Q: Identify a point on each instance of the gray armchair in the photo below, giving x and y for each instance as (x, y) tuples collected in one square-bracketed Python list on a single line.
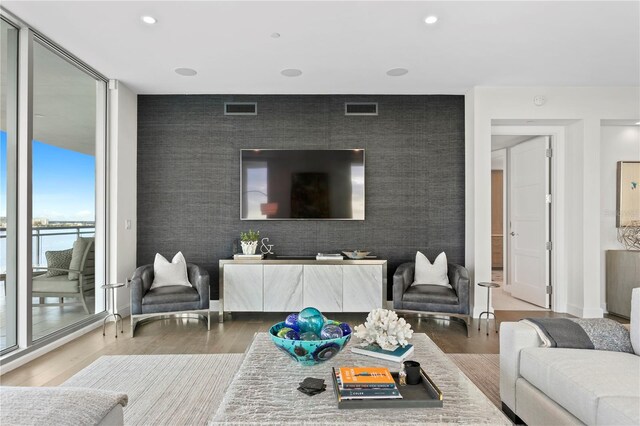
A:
[(163, 302), (433, 299)]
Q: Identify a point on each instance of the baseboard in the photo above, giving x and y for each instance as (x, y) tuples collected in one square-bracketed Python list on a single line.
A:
[(585, 313)]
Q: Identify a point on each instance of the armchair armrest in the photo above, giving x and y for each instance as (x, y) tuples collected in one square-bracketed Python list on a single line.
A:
[(199, 279), (514, 336), (46, 268), (139, 285), (402, 279), (459, 280)]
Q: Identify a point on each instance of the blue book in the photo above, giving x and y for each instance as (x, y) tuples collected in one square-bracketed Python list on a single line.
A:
[(399, 355)]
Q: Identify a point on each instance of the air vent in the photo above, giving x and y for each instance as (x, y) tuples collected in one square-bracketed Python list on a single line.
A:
[(240, 108), (361, 108)]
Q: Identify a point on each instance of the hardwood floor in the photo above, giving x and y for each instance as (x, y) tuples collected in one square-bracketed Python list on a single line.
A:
[(178, 336)]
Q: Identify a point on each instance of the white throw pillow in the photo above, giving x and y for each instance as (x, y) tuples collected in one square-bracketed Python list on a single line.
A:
[(427, 273), (174, 273), (635, 320)]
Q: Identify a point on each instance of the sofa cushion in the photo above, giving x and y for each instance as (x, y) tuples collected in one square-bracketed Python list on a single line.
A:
[(79, 247), (170, 294), (430, 294), (57, 284), (583, 381)]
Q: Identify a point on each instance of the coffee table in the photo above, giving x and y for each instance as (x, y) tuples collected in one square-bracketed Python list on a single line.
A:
[(264, 391)]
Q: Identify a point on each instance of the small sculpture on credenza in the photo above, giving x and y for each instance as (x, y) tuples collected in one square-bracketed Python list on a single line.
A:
[(265, 248), (629, 236)]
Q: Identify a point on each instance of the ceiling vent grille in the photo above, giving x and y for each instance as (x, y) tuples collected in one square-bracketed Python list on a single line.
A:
[(361, 108), (240, 108)]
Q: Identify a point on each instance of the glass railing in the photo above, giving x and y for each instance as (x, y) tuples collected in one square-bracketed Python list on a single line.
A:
[(46, 238)]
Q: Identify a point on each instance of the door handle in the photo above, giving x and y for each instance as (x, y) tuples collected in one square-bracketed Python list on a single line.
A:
[(513, 234)]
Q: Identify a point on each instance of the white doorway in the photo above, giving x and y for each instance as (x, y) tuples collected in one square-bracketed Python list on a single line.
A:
[(521, 179)]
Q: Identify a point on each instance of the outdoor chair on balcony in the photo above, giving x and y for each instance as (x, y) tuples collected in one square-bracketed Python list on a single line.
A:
[(69, 273), (169, 300)]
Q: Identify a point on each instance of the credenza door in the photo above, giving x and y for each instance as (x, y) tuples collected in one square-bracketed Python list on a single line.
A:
[(283, 288), (361, 288), (323, 287), (243, 289)]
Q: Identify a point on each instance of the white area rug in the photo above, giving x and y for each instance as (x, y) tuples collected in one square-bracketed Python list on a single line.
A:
[(163, 389), (483, 370)]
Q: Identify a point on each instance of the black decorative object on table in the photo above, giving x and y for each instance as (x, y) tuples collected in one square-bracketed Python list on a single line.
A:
[(312, 386), (412, 368)]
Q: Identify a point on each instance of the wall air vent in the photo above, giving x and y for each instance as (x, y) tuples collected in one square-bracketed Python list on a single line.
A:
[(361, 108), (240, 108)]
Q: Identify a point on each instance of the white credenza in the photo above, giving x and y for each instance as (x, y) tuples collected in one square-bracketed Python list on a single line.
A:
[(281, 285)]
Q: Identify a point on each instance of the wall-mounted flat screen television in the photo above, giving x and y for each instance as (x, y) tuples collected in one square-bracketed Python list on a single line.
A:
[(283, 184)]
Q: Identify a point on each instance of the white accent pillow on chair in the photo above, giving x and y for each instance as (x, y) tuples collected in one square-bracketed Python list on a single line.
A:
[(166, 274), (428, 273)]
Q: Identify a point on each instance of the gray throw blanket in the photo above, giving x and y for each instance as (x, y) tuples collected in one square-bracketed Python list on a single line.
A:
[(595, 333), (56, 406)]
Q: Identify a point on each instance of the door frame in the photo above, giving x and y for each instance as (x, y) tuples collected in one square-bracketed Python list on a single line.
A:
[(558, 275)]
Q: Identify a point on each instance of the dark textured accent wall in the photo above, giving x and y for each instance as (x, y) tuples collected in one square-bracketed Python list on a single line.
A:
[(189, 176)]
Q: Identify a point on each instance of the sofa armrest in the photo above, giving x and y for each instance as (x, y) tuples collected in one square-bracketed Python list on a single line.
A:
[(514, 336), (139, 285), (199, 279), (459, 280), (402, 279)]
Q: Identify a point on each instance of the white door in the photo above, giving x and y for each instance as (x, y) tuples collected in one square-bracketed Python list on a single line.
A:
[(529, 221)]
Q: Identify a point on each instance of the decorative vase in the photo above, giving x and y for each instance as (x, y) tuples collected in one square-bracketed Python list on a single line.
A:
[(249, 247)]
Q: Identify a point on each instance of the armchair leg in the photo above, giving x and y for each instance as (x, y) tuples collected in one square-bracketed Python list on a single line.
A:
[(84, 303), (208, 320), (133, 325)]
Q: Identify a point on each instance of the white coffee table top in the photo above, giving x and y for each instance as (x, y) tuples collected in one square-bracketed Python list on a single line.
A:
[(264, 390)]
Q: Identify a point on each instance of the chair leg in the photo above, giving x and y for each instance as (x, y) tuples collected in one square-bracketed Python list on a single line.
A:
[(84, 303), (208, 320), (133, 325)]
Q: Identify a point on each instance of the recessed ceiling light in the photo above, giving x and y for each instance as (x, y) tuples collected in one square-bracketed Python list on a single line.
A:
[(291, 72), (638, 123), (187, 72), (275, 35), (397, 72), (149, 20), (431, 19)]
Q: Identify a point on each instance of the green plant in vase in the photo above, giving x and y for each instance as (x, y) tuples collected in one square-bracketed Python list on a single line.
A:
[(249, 241)]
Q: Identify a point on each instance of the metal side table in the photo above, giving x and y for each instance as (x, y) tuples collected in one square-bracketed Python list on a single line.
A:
[(111, 296), (489, 286)]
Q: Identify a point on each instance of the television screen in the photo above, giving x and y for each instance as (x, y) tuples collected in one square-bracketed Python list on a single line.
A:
[(302, 184)]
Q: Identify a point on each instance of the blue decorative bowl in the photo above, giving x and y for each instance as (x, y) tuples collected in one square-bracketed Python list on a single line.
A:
[(308, 352)]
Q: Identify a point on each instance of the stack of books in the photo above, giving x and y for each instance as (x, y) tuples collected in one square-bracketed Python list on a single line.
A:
[(329, 256), (248, 256), (366, 383), (399, 355)]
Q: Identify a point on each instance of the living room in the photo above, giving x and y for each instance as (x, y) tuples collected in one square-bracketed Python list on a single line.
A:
[(138, 136)]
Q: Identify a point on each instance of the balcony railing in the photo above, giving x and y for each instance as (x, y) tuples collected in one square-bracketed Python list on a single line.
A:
[(48, 238)]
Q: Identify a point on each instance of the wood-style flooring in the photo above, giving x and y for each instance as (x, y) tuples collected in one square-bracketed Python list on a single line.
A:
[(182, 336)]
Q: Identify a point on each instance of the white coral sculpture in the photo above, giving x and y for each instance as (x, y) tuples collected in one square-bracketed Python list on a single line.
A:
[(384, 328)]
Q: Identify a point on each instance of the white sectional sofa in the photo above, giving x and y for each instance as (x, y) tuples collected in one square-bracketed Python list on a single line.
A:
[(555, 386)]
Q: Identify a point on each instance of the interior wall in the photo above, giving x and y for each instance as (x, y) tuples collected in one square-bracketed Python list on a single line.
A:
[(585, 108), (122, 188), (618, 143), (188, 194)]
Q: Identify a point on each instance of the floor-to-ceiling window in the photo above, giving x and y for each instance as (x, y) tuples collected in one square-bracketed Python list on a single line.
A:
[(65, 122), (8, 153), (53, 220)]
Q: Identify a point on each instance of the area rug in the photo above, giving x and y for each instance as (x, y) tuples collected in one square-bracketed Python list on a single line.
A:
[(483, 370), (163, 389)]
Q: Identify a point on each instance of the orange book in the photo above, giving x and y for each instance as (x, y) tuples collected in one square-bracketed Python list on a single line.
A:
[(366, 377)]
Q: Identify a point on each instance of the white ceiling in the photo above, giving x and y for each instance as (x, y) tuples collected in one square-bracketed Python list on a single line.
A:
[(347, 47)]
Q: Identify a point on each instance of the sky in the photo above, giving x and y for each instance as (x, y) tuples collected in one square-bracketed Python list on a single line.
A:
[(63, 182)]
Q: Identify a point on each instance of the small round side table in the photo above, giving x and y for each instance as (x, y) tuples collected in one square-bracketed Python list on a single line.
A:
[(489, 286), (111, 296)]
